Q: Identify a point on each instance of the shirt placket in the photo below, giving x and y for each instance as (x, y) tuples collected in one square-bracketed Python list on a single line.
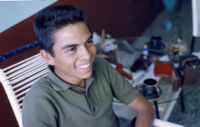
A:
[(92, 104)]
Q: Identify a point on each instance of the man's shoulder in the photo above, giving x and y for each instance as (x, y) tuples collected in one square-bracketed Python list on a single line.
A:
[(99, 63), (99, 60), (40, 87)]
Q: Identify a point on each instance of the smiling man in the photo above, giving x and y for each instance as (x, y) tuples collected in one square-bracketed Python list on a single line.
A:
[(79, 89)]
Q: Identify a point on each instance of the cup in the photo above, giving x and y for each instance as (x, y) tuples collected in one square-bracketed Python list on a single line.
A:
[(150, 87)]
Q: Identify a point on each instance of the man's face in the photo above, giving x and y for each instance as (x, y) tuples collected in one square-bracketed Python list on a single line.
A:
[(74, 53)]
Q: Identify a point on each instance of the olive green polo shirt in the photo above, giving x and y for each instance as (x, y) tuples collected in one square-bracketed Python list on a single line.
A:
[(51, 102)]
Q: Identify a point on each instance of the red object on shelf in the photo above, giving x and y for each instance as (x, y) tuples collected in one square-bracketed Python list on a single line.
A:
[(119, 68), (163, 69)]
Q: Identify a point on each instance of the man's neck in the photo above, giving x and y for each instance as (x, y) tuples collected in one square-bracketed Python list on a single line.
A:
[(82, 84), (75, 82)]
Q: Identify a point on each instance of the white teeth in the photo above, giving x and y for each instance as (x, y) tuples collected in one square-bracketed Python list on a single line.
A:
[(84, 66)]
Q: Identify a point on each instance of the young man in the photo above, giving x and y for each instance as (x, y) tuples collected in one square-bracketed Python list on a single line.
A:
[(79, 89)]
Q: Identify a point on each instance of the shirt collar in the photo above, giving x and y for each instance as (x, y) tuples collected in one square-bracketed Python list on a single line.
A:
[(58, 84)]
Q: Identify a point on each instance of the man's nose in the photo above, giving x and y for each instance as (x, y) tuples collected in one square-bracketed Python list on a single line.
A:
[(85, 54)]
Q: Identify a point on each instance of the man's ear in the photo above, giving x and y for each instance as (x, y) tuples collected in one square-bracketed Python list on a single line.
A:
[(47, 57)]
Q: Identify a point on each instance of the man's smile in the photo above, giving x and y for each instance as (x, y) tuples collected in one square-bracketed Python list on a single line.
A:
[(84, 66)]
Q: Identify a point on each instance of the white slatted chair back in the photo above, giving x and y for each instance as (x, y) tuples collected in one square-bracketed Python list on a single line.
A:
[(18, 78)]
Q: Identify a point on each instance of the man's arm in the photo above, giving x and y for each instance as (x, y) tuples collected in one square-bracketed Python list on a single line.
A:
[(145, 111)]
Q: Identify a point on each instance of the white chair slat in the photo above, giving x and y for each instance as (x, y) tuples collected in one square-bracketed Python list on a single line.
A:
[(23, 87), (31, 79), (22, 93), (27, 71), (20, 99), (31, 83), (25, 60), (20, 105), (24, 65), (26, 75)]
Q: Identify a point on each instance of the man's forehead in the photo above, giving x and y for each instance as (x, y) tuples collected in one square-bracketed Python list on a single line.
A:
[(72, 33), (72, 44)]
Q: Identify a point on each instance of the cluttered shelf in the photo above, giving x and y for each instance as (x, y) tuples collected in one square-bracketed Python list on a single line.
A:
[(142, 58)]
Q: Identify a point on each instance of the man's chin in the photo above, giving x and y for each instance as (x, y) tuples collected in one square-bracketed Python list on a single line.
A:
[(86, 75)]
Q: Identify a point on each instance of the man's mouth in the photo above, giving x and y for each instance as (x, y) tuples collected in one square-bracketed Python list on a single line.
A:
[(84, 66)]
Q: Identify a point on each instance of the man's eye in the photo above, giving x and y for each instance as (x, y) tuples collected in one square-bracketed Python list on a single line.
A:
[(70, 50), (89, 42)]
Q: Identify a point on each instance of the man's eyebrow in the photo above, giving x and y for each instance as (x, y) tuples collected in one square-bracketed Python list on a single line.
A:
[(69, 46), (74, 45)]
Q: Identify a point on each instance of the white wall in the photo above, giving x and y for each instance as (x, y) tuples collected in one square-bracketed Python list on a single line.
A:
[(196, 17), (13, 12)]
